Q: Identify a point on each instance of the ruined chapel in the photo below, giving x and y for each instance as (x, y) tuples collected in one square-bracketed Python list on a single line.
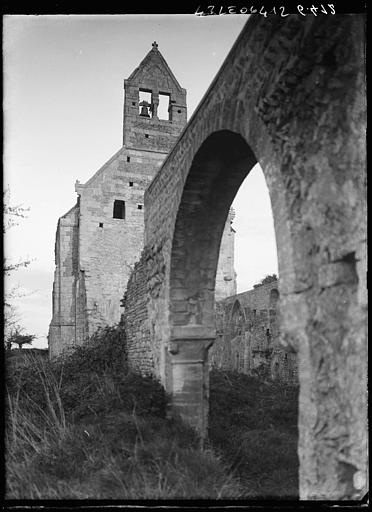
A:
[(291, 96), (99, 240), (101, 237)]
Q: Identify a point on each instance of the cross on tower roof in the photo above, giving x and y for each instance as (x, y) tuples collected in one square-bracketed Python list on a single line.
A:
[(155, 45)]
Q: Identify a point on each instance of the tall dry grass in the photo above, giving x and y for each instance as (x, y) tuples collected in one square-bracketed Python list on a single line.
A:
[(118, 444), (86, 427)]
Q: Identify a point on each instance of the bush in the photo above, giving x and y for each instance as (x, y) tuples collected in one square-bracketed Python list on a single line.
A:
[(91, 379)]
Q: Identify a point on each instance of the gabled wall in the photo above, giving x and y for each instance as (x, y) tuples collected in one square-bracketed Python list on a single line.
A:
[(109, 247)]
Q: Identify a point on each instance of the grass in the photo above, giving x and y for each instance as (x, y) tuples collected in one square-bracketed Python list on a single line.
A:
[(86, 427), (253, 425)]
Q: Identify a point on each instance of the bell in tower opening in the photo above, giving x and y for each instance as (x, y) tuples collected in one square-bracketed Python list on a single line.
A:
[(145, 107)]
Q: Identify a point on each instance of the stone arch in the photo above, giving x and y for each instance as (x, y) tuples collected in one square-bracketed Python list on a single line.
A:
[(237, 318), (237, 336), (218, 168), (291, 96)]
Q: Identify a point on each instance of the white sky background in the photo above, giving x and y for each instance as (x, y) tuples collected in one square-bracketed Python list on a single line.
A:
[(63, 107)]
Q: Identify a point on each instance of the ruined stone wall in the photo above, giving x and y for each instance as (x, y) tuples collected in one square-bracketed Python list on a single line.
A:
[(248, 337), (62, 327), (293, 91), (136, 322)]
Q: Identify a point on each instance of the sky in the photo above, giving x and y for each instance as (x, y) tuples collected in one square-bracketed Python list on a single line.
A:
[(63, 105)]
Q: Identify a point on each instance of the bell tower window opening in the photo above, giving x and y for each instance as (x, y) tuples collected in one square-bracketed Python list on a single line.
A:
[(163, 108), (145, 103), (119, 209)]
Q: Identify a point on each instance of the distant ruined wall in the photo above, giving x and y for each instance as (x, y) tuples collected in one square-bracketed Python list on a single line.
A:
[(226, 275), (248, 337)]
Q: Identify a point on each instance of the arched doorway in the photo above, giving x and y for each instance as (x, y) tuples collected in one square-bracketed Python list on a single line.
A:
[(236, 335)]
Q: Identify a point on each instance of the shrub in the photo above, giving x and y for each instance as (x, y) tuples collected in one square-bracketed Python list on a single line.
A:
[(91, 379)]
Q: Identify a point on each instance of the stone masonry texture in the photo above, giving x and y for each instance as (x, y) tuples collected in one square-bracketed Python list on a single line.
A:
[(290, 95), (248, 336)]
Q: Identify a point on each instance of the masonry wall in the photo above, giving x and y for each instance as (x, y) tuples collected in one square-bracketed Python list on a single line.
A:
[(62, 327), (154, 76), (108, 246), (293, 89), (135, 320), (81, 318), (248, 336)]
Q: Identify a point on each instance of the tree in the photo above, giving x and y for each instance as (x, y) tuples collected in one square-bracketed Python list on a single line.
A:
[(12, 214), (270, 278), (17, 338)]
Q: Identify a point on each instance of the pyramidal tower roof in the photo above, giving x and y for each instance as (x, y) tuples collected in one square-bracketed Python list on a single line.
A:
[(153, 65)]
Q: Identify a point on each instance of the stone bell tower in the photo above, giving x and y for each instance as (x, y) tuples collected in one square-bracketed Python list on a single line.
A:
[(154, 107)]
